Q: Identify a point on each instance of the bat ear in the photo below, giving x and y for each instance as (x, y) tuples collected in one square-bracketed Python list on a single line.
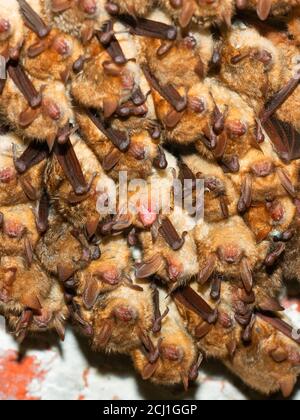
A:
[(91, 292), (105, 333), (263, 9), (150, 267)]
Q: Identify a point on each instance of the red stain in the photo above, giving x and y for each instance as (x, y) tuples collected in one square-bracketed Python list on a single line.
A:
[(287, 303), (81, 398), (16, 376)]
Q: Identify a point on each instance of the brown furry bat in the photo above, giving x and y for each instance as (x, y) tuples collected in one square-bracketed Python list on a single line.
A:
[(30, 300), (235, 334), (117, 319), (55, 57), (28, 103), (21, 170), (74, 177), (168, 357)]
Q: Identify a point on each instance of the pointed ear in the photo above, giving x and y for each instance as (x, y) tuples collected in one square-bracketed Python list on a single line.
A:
[(60, 328), (150, 267), (284, 137), (31, 301), (91, 292), (149, 370), (104, 334), (263, 9), (287, 385)]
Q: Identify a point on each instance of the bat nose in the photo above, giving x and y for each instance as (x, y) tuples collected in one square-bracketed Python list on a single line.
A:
[(230, 254), (89, 6)]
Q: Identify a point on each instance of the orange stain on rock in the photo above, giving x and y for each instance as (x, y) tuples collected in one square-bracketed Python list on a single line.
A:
[(16, 376)]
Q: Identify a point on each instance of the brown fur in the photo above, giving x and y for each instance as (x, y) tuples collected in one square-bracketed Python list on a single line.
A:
[(13, 104), (176, 356), (122, 334), (51, 64), (141, 145), (11, 190), (218, 12), (30, 289), (232, 237)]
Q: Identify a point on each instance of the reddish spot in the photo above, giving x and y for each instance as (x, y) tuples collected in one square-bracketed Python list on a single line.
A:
[(13, 229), (61, 46), (16, 376), (175, 269), (173, 353), (125, 313), (276, 210), (229, 253), (147, 217), (110, 276), (127, 80), (89, 6), (81, 397), (7, 175), (287, 303)]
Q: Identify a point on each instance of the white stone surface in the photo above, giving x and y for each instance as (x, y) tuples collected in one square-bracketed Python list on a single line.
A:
[(50, 370)]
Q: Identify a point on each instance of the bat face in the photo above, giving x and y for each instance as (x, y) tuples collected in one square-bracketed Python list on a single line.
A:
[(220, 195), (227, 253), (106, 273), (182, 56), (53, 110), (52, 57), (261, 178), (31, 301), (245, 49), (271, 219), (165, 360), (172, 267), (192, 119), (273, 352), (119, 318), (235, 319), (59, 250), (18, 228), (118, 82)]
